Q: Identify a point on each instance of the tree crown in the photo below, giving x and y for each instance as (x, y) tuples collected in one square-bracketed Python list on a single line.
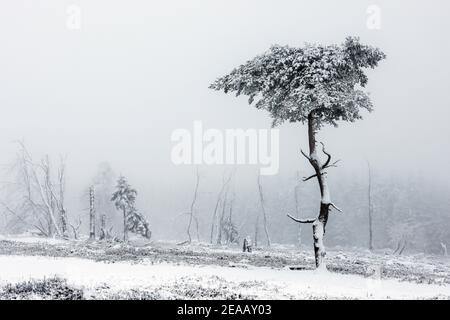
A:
[(124, 197), (292, 83)]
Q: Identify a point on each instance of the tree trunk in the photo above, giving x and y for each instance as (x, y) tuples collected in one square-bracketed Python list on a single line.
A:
[(214, 224), (325, 202), (91, 214), (256, 229), (263, 209), (370, 208), (214, 221), (405, 243), (318, 235), (191, 212), (103, 231), (125, 228), (444, 249), (64, 223), (221, 220), (60, 201)]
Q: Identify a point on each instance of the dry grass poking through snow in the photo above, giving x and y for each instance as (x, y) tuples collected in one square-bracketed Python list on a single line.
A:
[(200, 271)]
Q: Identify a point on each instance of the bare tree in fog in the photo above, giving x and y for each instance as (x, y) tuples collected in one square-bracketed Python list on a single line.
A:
[(37, 197), (191, 213), (76, 228), (103, 183), (263, 210), (214, 222), (256, 236), (316, 85), (60, 201), (230, 229), (222, 216), (227, 229)]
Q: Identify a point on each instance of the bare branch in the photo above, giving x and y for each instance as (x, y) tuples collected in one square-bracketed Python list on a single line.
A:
[(332, 165), (328, 155), (333, 205), (314, 175), (310, 177), (13, 212), (301, 220), (305, 155), (76, 228), (44, 187)]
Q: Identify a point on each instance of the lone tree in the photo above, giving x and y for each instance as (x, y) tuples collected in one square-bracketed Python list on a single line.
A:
[(316, 85), (124, 199)]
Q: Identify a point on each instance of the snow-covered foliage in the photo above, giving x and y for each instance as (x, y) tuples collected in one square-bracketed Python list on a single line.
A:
[(291, 82), (43, 289), (124, 199), (137, 223), (125, 196)]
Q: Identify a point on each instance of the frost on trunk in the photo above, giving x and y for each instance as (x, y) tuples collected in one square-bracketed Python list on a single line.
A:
[(60, 201), (319, 248), (318, 224), (91, 214)]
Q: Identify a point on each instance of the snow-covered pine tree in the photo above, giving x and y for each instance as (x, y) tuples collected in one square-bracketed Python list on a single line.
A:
[(314, 84), (124, 199)]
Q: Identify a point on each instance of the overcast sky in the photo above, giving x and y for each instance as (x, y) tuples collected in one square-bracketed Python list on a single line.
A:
[(115, 89)]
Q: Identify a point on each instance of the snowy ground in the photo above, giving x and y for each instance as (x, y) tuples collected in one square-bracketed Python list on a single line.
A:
[(31, 269)]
